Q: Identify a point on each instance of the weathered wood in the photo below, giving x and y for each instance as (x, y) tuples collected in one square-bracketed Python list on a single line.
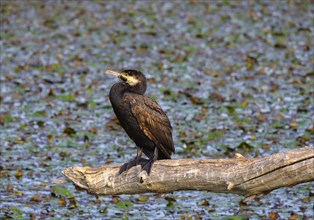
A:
[(244, 176)]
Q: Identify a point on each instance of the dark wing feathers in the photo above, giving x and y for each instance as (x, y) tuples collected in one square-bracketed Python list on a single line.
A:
[(153, 122)]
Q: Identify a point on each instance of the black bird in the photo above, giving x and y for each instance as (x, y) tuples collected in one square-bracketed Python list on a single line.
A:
[(142, 119)]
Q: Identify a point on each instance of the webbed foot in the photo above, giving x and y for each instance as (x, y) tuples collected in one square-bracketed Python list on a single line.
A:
[(148, 166), (133, 163)]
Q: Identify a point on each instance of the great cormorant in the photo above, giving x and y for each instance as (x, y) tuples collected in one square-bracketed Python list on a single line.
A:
[(142, 119)]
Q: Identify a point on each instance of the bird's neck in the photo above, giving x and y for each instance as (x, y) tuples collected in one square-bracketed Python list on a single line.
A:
[(120, 88), (139, 89)]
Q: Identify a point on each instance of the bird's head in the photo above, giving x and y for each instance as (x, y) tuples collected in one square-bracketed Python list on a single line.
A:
[(134, 79)]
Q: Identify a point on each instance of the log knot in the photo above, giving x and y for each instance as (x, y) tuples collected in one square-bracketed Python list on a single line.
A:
[(142, 177), (230, 185), (110, 182)]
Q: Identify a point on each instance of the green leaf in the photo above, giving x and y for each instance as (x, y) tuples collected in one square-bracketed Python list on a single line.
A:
[(170, 200), (245, 147), (230, 109), (16, 210), (124, 204), (41, 113), (69, 131), (91, 104), (6, 118), (62, 192), (215, 135), (68, 98), (143, 198)]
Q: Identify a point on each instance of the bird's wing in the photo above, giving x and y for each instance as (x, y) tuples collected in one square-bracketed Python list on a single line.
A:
[(153, 122)]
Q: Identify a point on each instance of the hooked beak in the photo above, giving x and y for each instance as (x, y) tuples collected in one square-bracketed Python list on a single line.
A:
[(114, 73)]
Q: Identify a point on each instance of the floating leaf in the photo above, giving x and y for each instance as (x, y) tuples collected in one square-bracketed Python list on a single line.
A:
[(124, 204), (64, 154), (41, 113), (62, 202), (273, 215), (294, 125), (61, 192), (10, 188), (216, 97), (69, 98), (73, 203), (40, 123), (69, 131), (251, 62), (16, 210), (197, 101), (303, 139), (170, 200), (6, 118), (116, 199), (215, 135), (230, 109), (278, 124), (103, 210), (143, 198), (36, 198), (245, 147), (19, 174), (204, 203), (23, 126)]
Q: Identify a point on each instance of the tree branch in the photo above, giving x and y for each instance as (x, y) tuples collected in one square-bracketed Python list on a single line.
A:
[(243, 176)]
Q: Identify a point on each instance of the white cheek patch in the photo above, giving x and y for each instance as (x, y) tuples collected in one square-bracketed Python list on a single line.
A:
[(132, 81)]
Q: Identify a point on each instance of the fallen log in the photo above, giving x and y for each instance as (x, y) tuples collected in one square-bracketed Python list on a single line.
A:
[(243, 176)]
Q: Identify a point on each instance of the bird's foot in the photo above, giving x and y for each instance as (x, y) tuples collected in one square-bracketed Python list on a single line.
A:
[(148, 166), (133, 163), (127, 166)]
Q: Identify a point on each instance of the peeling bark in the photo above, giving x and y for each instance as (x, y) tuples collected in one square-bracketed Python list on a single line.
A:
[(243, 176)]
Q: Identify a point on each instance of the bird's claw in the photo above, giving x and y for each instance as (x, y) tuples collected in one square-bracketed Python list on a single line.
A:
[(143, 162), (127, 166)]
